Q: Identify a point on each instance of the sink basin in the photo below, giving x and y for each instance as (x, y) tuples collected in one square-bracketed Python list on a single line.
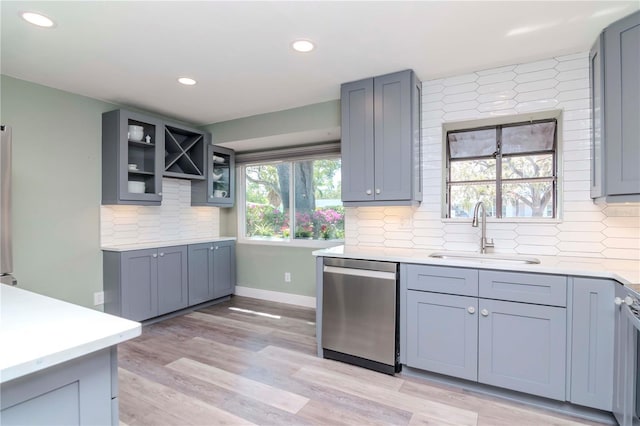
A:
[(485, 258)]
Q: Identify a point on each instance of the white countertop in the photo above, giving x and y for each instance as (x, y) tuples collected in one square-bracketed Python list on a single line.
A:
[(37, 332), (157, 244), (626, 272)]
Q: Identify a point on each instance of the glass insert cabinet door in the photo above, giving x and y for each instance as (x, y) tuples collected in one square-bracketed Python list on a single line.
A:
[(221, 175), (142, 160)]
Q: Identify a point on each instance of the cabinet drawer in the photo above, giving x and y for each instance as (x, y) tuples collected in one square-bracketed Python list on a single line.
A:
[(442, 279), (537, 289)]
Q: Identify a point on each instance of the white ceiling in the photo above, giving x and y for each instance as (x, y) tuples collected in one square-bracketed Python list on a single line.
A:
[(132, 52)]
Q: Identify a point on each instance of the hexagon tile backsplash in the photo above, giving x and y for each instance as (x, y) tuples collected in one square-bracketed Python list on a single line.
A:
[(174, 220), (584, 229)]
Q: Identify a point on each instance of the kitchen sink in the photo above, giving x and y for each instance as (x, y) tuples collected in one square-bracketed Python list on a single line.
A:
[(485, 258)]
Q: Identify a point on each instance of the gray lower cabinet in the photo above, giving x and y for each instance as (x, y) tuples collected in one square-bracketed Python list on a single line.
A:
[(615, 107), (505, 343), (82, 391), (211, 271), (381, 140), (142, 284), (442, 333), (592, 342), (626, 355), (522, 347)]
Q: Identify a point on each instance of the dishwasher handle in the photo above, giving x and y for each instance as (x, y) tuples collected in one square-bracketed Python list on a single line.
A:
[(359, 272)]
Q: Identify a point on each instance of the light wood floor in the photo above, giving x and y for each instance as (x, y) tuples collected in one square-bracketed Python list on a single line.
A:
[(248, 361)]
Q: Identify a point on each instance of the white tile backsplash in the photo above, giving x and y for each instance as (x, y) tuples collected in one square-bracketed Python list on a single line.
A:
[(584, 229), (175, 219)]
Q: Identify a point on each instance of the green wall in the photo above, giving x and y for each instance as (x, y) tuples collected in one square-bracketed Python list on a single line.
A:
[(325, 115), (56, 189), (263, 267)]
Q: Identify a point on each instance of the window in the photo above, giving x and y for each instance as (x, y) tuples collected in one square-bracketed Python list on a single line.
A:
[(293, 200), (511, 168)]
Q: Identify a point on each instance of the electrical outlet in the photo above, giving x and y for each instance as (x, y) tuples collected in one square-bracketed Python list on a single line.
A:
[(287, 277), (98, 298)]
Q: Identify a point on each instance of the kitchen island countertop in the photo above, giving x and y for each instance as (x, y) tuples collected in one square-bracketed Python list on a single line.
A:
[(626, 272), (37, 332)]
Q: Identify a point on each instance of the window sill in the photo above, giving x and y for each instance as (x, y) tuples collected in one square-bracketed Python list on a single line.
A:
[(316, 244)]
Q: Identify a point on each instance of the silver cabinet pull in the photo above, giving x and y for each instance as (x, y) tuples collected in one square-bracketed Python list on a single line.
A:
[(484, 313), (155, 254), (211, 248), (161, 254), (627, 301), (216, 247), (368, 192), (378, 190), (160, 193), (471, 310)]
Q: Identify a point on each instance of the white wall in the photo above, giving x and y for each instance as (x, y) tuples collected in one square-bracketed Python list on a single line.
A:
[(584, 229), (175, 219)]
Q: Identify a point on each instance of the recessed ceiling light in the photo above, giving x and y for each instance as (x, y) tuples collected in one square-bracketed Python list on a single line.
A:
[(37, 19), (186, 81), (303, 46)]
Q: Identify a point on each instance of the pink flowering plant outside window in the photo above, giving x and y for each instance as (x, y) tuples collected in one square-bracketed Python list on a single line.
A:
[(312, 186)]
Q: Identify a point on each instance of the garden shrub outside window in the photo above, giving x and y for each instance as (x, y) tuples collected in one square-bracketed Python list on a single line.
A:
[(293, 200), (511, 168)]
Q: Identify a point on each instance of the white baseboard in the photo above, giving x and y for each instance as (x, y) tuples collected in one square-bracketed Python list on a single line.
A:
[(276, 296)]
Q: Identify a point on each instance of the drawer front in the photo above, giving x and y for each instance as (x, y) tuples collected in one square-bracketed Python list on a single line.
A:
[(537, 289), (442, 279)]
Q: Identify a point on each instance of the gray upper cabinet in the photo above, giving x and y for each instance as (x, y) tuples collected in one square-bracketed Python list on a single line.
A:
[(185, 150), (381, 140), (218, 188), (131, 166), (615, 94), (212, 271), (592, 342)]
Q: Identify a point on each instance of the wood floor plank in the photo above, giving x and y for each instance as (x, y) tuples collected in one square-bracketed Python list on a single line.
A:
[(359, 373), (381, 395), (276, 353), (329, 414), (168, 406), (275, 397)]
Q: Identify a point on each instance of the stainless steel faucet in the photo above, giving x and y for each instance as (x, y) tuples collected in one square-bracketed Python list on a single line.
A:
[(483, 238)]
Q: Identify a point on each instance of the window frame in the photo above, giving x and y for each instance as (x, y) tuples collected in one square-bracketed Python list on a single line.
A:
[(498, 156), (242, 206)]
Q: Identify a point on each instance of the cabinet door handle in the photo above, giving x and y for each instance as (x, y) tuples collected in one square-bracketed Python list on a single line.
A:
[(155, 254), (216, 247), (484, 313), (368, 192), (378, 190), (211, 248), (627, 301), (161, 254), (160, 194), (471, 310)]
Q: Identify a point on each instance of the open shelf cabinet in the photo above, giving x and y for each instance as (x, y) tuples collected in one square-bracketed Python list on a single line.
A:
[(184, 152)]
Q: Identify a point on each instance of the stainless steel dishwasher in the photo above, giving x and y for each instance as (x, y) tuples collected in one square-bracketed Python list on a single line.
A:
[(360, 313)]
